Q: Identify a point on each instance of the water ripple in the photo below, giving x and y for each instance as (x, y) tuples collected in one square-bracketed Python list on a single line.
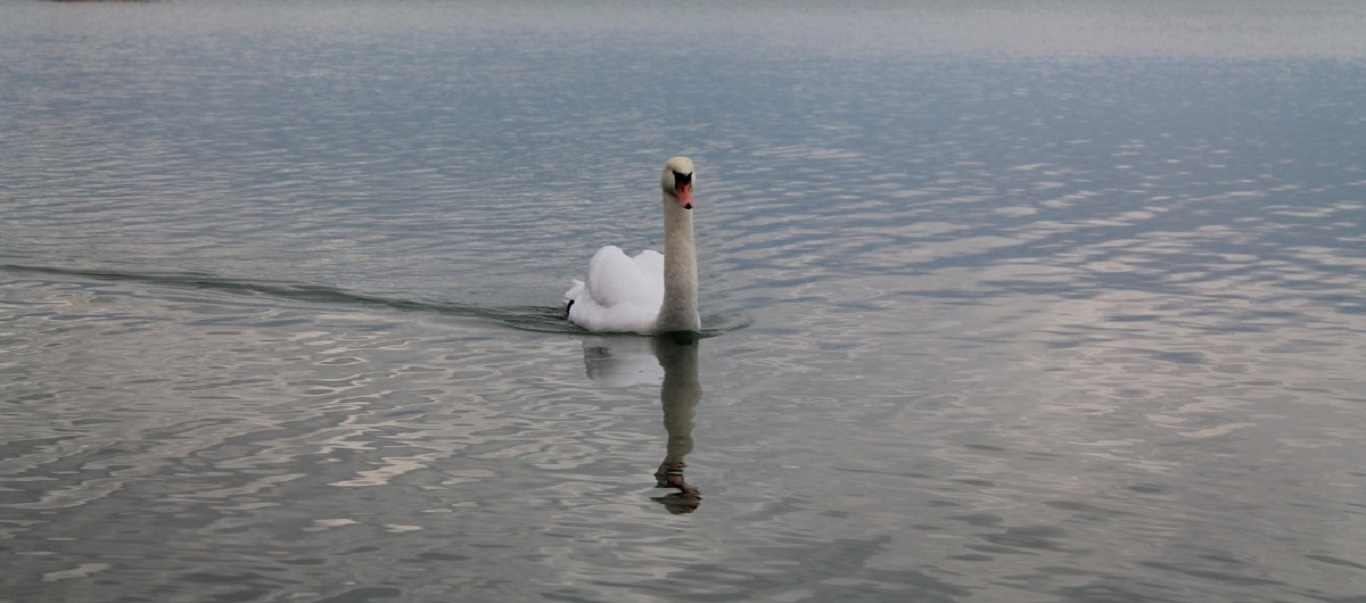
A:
[(998, 316)]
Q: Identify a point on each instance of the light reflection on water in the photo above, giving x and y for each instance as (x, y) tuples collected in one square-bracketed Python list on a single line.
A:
[(990, 317)]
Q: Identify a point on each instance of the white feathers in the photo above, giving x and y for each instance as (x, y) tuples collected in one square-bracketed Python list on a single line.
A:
[(621, 294), (649, 293)]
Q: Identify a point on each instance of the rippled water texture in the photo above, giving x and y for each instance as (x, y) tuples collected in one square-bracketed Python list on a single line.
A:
[(1031, 302)]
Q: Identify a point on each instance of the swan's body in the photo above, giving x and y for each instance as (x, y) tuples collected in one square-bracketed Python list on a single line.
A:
[(649, 293)]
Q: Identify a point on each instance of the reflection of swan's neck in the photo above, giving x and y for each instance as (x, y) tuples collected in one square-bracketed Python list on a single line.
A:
[(678, 357), (679, 394), (679, 310)]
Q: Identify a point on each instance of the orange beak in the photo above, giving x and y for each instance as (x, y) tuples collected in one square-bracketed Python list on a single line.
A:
[(684, 192)]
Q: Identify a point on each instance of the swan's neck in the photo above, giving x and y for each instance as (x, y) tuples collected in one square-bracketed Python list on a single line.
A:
[(679, 310)]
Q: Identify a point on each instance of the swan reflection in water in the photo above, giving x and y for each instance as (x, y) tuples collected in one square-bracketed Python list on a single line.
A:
[(626, 361)]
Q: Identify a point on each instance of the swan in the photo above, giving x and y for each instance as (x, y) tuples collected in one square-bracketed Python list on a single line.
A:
[(650, 293)]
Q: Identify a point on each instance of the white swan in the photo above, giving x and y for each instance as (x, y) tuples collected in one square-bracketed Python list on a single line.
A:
[(649, 293)]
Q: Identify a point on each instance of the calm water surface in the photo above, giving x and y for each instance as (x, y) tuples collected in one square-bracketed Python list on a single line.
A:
[(1029, 302)]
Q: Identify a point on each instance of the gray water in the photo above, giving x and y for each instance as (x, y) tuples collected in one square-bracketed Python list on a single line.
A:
[(1038, 301)]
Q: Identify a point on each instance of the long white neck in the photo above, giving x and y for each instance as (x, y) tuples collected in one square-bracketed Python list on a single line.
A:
[(679, 310)]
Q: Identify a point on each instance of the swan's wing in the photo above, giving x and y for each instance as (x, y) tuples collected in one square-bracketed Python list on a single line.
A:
[(651, 264), (620, 294), (617, 280)]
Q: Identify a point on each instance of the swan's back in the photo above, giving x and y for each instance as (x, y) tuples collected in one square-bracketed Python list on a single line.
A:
[(620, 293)]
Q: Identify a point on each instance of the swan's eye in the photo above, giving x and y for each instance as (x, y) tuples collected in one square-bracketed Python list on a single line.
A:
[(682, 179)]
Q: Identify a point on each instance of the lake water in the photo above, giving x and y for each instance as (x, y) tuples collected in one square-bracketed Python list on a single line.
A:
[(1038, 301)]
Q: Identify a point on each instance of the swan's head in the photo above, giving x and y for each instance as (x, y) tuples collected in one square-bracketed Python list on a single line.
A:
[(678, 180)]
